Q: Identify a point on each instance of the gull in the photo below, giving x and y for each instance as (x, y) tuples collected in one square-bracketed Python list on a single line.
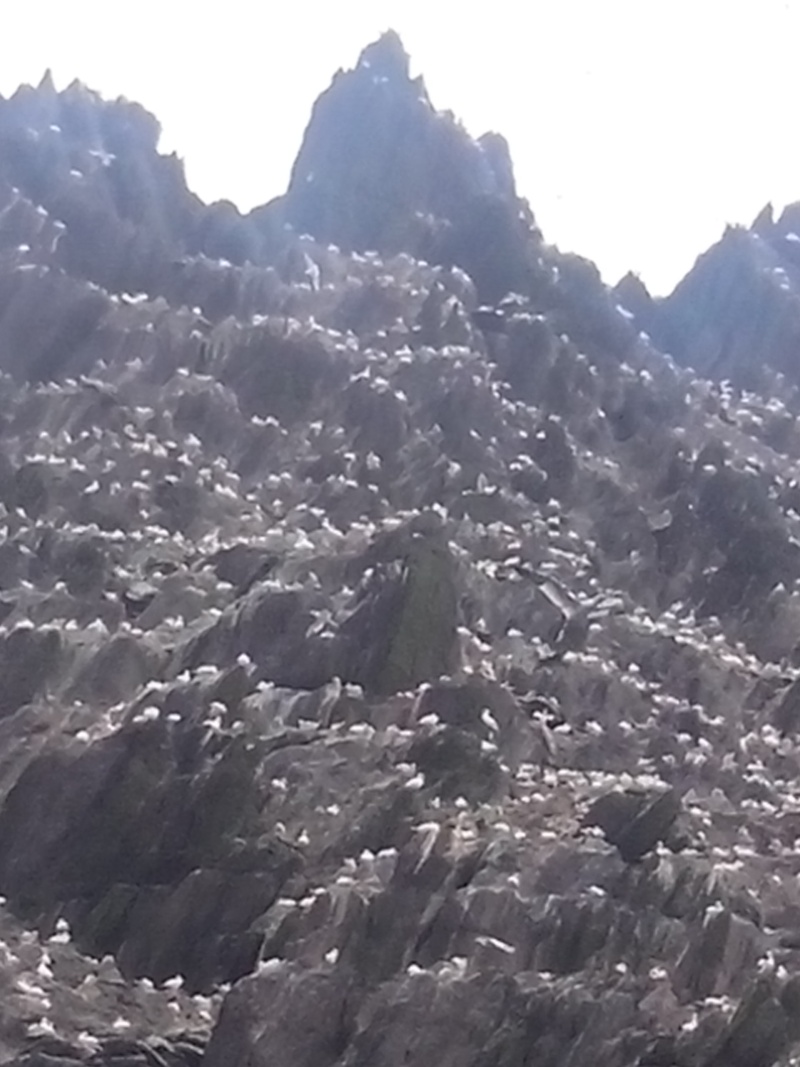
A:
[(86, 1041), (29, 989), (62, 934), (43, 1028), (415, 783), (431, 719), (490, 721)]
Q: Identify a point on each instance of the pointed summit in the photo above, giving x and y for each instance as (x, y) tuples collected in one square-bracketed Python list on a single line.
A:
[(764, 221), (380, 169), (47, 84), (386, 57)]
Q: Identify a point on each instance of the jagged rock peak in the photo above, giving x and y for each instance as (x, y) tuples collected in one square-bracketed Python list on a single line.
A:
[(735, 315), (380, 169), (386, 57), (370, 658), (47, 85), (764, 220), (111, 208)]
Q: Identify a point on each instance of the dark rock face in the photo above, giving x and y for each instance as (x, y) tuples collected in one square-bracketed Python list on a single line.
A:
[(416, 613), (385, 678), (29, 658), (635, 822), (86, 178), (735, 311), (380, 169)]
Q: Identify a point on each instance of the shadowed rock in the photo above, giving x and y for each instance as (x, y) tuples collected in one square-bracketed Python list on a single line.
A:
[(422, 184), (635, 822), (405, 669)]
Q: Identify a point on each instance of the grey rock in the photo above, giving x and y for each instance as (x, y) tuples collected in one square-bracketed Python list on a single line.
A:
[(398, 649)]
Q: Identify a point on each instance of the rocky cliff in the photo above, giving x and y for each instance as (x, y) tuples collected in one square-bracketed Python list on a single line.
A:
[(379, 168), (737, 309), (400, 649)]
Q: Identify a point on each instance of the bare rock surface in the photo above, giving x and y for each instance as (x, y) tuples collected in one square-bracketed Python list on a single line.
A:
[(388, 677)]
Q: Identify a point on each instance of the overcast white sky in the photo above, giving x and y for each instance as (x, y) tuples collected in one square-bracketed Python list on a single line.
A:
[(638, 128)]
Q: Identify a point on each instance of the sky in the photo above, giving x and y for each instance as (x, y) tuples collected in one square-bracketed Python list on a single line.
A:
[(638, 128)]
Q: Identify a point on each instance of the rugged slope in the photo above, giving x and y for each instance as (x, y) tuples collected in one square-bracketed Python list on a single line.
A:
[(417, 679), (379, 168), (737, 309)]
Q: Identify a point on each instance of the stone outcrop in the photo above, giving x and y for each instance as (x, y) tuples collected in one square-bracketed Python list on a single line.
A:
[(380, 169), (388, 677), (734, 316)]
